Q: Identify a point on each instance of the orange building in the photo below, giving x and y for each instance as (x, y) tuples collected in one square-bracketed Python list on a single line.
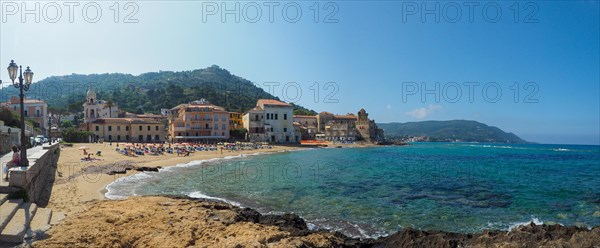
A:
[(35, 110), (198, 121)]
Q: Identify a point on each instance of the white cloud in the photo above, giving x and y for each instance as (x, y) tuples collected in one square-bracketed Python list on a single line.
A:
[(422, 113)]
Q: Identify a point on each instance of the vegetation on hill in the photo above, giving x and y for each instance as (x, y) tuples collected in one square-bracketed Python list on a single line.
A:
[(149, 92), (455, 130)]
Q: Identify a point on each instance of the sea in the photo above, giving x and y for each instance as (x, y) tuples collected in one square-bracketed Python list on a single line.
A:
[(376, 191)]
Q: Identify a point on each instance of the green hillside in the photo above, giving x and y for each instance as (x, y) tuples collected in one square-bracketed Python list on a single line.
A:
[(149, 92), (455, 130)]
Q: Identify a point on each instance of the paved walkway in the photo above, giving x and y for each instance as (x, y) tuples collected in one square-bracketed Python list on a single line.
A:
[(7, 157)]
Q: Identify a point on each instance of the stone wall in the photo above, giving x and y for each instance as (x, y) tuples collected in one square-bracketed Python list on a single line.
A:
[(37, 179)]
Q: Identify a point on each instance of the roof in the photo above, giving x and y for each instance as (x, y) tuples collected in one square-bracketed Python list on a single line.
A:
[(348, 116), (325, 113), (305, 116), (16, 100), (272, 102), (125, 121), (150, 116)]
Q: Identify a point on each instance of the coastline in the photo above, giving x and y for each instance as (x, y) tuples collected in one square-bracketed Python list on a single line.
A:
[(80, 182), (78, 206), (185, 222)]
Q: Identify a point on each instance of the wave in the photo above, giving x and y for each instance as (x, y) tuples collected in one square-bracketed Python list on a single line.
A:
[(535, 220), (200, 195)]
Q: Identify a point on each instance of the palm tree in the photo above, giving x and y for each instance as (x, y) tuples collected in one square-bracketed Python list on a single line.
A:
[(109, 105)]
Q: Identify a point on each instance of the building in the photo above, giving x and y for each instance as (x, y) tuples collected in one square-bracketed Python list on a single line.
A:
[(254, 122), (277, 122), (367, 129), (308, 125), (94, 109), (198, 121), (35, 110), (235, 120), (128, 130), (349, 127)]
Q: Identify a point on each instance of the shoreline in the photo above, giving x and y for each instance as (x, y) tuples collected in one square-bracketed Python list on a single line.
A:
[(84, 192), (185, 221), (78, 182)]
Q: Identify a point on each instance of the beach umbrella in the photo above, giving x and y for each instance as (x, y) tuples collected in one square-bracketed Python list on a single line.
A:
[(83, 148)]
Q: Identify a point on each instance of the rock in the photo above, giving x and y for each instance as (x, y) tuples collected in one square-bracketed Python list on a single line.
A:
[(291, 223)]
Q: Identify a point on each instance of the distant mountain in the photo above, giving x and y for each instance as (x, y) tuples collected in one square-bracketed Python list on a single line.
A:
[(455, 130), (149, 92)]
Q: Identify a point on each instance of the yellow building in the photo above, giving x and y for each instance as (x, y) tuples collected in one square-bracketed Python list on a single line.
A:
[(198, 121), (128, 130), (235, 120)]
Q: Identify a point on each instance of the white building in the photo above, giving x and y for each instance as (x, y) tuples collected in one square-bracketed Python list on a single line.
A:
[(278, 118), (94, 109)]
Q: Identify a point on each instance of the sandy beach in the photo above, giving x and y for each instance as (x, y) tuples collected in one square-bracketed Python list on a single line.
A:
[(80, 181)]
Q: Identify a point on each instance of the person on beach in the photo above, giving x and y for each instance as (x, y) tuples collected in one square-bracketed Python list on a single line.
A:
[(16, 160)]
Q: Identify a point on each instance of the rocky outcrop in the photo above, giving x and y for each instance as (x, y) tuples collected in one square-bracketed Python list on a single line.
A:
[(181, 222)]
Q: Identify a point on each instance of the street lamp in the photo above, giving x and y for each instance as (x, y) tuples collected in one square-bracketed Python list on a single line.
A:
[(22, 85)]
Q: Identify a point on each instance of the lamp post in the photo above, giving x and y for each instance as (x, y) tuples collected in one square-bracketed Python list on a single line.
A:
[(22, 85)]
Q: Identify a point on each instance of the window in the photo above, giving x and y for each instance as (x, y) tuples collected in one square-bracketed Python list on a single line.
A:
[(223, 134), (224, 117), (256, 117), (126, 137), (215, 117), (285, 129), (207, 126), (287, 138), (25, 113), (37, 113), (216, 126), (156, 128), (118, 137), (148, 137), (141, 137), (110, 138), (268, 116), (127, 129), (148, 128), (140, 127), (223, 127), (158, 138), (178, 134), (109, 128), (118, 128), (276, 116), (285, 116), (97, 128)]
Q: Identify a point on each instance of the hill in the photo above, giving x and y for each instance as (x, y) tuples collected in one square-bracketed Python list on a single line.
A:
[(149, 92), (454, 130)]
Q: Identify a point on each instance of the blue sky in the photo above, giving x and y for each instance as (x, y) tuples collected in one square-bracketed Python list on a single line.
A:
[(374, 53)]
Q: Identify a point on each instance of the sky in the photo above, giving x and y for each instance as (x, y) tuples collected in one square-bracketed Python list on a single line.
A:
[(531, 68)]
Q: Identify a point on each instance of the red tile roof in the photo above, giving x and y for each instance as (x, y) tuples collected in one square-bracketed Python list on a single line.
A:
[(272, 102)]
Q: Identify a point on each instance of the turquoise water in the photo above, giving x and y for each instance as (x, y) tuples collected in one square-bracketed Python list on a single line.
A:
[(457, 187)]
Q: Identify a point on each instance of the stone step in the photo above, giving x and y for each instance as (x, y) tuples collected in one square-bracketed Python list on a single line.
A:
[(7, 210), (15, 231), (3, 198), (40, 222)]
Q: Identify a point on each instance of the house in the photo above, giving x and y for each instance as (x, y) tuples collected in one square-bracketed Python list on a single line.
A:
[(35, 110), (198, 121), (128, 130), (277, 122)]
